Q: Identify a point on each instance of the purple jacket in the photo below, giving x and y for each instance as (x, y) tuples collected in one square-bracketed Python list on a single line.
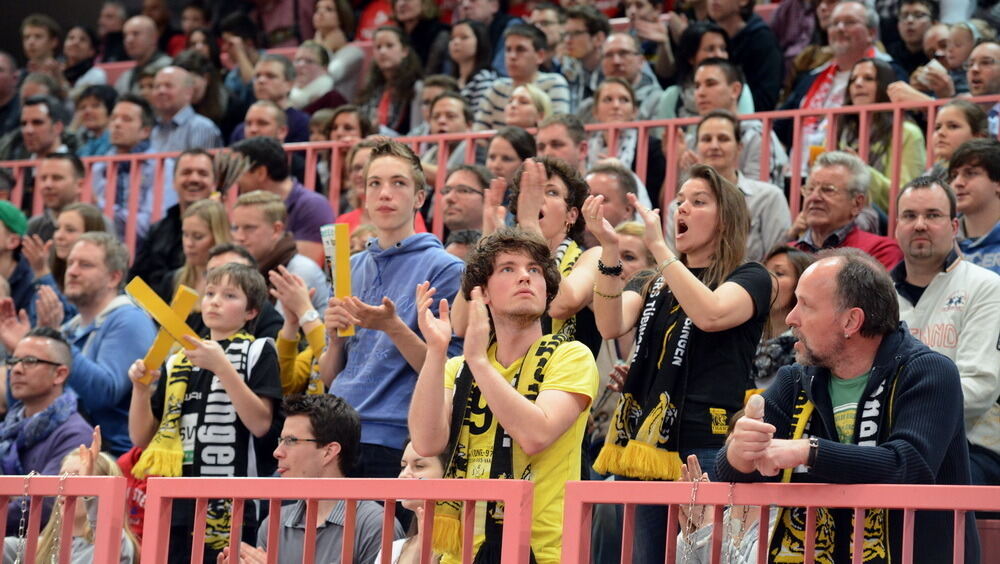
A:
[(46, 458)]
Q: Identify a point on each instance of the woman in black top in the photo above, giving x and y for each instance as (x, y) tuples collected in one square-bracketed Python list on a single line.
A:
[(698, 319)]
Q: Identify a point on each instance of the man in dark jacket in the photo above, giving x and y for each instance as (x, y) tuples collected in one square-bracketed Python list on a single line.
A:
[(865, 403), (162, 251)]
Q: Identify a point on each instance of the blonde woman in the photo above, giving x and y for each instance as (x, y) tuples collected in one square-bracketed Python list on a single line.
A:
[(527, 107), (80, 462), (203, 225)]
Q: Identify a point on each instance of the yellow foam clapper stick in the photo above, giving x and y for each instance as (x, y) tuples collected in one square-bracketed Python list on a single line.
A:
[(342, 262), (158, 309), (181, 305)]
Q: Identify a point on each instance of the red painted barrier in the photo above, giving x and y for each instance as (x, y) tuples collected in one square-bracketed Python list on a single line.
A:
[(517, 496), (110, 494), (581, 497)]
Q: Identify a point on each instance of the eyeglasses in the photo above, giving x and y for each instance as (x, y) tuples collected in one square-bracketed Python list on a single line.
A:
[(576, 32), (846, 23), (913, 16), (929, 217), (461, 189), (292, 441), (619, 54), (982, 63), (825, 190), (304, 61), (29, 361)]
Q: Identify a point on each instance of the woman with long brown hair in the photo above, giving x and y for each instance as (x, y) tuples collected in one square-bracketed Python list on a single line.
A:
[(698, 318), (390, 97)]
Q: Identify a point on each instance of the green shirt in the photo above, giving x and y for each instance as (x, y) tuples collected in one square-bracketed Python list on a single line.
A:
[(844, 395)]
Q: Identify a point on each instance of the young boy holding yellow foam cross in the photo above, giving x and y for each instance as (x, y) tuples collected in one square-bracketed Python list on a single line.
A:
[(214, 412)]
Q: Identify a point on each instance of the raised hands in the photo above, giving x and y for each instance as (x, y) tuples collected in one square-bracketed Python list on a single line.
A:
[(651, 220), (48, 308), (531, 195), (599, 227), (248, 555), (436, 330), (751, 437), (37, 252), (14, 325), (291, 290), (494, 212), (477, 336), (692, 517), (88, 456)]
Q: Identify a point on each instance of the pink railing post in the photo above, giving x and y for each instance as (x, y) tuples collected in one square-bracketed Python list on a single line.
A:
[(765, 151), (896, 161), (437, 226), (864, 141), (311, 159), (642, 156), (159, 181)]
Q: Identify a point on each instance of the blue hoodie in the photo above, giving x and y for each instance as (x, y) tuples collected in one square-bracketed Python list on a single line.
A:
[(376, 379), (984, 251)]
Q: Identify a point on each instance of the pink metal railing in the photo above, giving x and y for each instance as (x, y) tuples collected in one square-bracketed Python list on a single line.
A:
[(517, 496), (581, 496), (110, 493), (336, 151)]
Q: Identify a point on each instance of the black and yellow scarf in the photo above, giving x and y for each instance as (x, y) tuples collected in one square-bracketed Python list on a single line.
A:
[(642, 440), (506, 463), (788, 539), (565, 257)]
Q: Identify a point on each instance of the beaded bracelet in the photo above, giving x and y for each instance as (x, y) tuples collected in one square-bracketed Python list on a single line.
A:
[(607, 296), (610, 270)]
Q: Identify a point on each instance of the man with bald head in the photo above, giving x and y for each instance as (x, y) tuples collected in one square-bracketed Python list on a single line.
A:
[(178, 127), (141, 46)]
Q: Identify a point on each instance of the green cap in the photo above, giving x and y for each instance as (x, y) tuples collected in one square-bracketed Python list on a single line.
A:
[(13, 218)]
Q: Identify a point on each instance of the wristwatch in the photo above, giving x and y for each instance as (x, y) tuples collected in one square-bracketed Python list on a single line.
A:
[(309, 316), (813, 451)]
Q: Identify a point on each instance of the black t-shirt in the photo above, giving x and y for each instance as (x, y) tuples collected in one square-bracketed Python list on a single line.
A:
[(216, 442), (720, 364)]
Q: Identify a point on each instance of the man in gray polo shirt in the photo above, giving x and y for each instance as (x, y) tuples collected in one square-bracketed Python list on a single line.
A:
[(321, 438)]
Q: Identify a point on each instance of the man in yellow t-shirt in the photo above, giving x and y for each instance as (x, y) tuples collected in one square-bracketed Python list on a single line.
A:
[(533, 388)]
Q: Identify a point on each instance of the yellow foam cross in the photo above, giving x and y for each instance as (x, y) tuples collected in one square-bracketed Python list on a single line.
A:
[(173, 326)]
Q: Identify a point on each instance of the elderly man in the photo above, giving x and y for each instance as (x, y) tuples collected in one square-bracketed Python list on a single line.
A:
[(952, 305), (162, 252), (131, 123), (614, 182), (852, 34), (866, 402), (44, 424), (331, 431), (834, 196), (273, 78), (622, 58), (140, 42), (524, 52), (178, 127)]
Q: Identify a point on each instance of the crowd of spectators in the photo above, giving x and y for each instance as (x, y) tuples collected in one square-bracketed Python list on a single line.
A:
[(561, 329)]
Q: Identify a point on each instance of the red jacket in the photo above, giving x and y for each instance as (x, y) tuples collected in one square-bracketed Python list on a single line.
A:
[(883, 249)]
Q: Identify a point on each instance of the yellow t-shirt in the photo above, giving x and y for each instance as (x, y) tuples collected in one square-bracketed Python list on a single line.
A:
[(570, 369)]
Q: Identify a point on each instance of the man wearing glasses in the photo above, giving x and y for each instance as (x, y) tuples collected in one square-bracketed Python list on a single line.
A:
[(832, 199), (952, 305), (463, 193), (321, 438), (622, 58), (915, 18), (46, 425)]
